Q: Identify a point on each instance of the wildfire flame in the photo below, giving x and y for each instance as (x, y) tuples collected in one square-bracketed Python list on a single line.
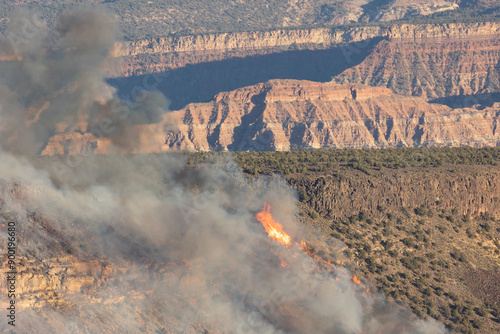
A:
[(275, 231), (273, 228)]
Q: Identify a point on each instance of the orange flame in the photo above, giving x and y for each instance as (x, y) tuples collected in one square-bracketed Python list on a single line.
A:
[(275, 231), (273, 228)]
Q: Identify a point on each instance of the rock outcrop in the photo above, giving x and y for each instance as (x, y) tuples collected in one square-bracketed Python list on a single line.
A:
[(398, 9), (41, 282)]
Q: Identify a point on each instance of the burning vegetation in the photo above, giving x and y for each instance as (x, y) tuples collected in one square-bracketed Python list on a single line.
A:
[(273, 228), (275, 231)]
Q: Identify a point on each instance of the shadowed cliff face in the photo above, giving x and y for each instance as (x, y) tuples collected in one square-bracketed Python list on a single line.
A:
[(251, 124), (155, 55), (200, 82), (429, 61)]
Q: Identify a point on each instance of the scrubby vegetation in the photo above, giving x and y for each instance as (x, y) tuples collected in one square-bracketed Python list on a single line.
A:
[(365, 160), (424, 259), (155, 18), (440, 261)]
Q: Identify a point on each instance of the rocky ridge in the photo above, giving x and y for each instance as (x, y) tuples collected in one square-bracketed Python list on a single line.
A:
[(473, 192)]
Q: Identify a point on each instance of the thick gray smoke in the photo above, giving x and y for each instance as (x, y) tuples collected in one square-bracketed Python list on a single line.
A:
[(57, 83), (173, 249)]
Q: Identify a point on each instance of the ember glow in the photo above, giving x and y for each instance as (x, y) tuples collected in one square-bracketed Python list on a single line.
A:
[(273, 228)]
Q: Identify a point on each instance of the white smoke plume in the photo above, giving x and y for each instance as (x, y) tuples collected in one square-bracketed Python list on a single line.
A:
[(165, 248)]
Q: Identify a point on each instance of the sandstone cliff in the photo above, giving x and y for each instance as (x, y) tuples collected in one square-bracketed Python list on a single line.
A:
[(42, 282), (282, 115), (285, 38), (289, 114)]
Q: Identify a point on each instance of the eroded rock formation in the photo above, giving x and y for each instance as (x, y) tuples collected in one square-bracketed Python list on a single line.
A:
[(290, 114)]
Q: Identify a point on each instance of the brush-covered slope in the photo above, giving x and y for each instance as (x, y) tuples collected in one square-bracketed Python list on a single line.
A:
[(421, 223), (144, 18)]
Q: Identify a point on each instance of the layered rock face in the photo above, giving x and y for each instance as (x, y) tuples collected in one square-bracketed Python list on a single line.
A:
[(287, 114), (159, 54), (54, 277), (458, 65), (291, 114)]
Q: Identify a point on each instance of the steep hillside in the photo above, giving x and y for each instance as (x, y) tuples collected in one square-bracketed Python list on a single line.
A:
[(150, 19), (421, 224), (425, 236)]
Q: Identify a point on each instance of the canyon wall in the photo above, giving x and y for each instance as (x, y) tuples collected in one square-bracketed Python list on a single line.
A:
[(292, 114), (160, 54), (418, 62), (285, 38)]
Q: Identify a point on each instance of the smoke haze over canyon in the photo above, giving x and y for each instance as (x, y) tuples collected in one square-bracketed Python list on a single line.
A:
[(122, 243)]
